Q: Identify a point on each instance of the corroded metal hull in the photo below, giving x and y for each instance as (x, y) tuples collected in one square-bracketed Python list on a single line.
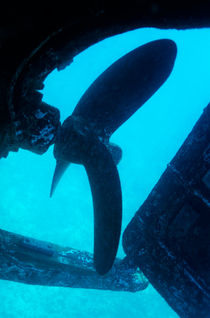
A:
[(169, 236)]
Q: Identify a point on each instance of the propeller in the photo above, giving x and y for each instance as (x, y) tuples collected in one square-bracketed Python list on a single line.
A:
[(84, 136)]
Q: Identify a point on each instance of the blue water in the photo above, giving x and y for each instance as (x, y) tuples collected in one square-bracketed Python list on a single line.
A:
[(149, 139)]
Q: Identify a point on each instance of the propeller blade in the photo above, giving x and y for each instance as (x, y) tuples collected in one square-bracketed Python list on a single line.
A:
[(126, 85), (60, 168), (107, 202)]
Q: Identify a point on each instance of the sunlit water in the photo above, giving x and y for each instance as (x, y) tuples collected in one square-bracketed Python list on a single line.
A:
[(149, 139)]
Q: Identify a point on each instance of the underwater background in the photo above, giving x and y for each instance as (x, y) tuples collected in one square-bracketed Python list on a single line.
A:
[(149, 140)]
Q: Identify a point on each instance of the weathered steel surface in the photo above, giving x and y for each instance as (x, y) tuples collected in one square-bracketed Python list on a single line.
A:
[(30, 261), (169, 237)]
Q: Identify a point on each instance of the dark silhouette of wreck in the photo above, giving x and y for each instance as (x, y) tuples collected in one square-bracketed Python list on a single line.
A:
[(168, 240)]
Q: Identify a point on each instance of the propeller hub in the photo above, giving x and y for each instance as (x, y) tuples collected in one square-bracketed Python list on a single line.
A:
[(75, 141)]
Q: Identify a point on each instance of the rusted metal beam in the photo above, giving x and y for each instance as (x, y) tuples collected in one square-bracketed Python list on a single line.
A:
[(31, 261)]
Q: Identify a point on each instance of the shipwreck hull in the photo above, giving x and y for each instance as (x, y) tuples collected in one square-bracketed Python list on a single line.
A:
[(168, 238)]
